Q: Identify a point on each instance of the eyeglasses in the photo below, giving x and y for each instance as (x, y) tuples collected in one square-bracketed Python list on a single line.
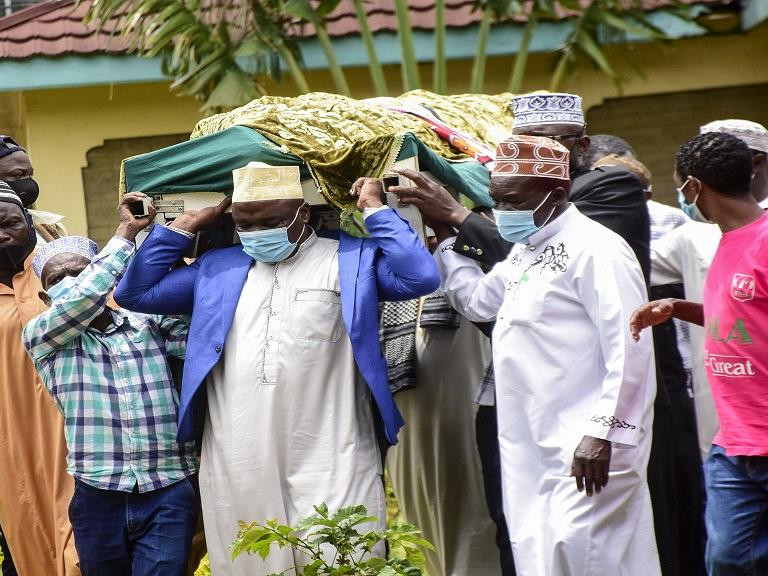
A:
[(561, 137)]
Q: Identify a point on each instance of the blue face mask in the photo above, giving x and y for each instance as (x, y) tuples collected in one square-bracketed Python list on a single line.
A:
[(62, 287), (516, 226), (270, 245), (691, 210)]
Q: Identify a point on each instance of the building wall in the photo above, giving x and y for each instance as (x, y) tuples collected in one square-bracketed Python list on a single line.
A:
[(657, 125), (649, 68), (61, 126), (102, 173), (12, 116)]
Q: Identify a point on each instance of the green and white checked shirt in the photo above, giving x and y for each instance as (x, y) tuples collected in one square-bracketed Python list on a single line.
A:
[(114, 388)]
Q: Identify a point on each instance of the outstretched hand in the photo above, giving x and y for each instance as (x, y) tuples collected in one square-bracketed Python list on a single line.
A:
[(650, 314), (435, 203)]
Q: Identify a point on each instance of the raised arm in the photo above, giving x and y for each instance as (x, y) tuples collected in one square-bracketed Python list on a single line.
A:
[(70, 315), (477, 237), (150, 285), (475, 295), (404, 267)]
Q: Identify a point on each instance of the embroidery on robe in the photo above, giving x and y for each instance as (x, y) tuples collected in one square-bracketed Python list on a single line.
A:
[(612, 422), (554, 258)]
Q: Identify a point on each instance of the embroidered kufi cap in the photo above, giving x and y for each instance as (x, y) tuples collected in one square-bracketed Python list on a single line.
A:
[(8, 195), (65, 245), (554, 108), (532, 156), (259, 181), (755, 135), (8, 146)]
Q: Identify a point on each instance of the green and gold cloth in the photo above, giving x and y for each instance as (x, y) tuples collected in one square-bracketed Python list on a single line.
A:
[(334, 138)]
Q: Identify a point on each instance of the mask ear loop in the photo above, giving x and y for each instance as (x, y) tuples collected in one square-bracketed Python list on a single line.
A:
[(551, 212), (303, 225)]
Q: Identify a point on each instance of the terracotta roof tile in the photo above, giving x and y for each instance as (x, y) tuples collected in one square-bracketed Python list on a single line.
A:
[(55, 27)]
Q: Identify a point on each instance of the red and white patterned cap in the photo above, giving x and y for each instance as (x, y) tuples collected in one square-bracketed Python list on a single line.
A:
[(532, 156)]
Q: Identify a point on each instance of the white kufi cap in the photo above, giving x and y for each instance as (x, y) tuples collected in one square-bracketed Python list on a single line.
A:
[(755, 135), (258, 181)]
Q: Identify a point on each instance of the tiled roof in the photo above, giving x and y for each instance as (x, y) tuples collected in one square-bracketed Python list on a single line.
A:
[(55, 27)]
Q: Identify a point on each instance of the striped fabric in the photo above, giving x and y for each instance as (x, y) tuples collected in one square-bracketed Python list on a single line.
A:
[(114, 388)]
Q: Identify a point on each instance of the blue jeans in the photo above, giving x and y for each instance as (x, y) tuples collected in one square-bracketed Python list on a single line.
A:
[(133, 533), (737, 524)]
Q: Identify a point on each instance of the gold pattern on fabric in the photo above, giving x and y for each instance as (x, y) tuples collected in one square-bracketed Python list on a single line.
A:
[(258, 181), (486, 117), (341, 139)]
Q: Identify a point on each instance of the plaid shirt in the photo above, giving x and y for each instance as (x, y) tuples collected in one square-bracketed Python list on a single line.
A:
[(114, 388)]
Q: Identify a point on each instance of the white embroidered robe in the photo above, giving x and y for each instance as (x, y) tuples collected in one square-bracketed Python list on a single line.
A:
[(566, 366), (289, 421)]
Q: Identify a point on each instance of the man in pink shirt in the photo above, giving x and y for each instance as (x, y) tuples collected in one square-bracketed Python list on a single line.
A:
[(713, 172)]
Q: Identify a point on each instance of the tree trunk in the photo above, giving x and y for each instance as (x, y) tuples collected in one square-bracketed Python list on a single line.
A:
[(293, 68), (521, 60), (339, 80), (377, 72), (558, 77), (477, 80), (411, 77), (440, 72)]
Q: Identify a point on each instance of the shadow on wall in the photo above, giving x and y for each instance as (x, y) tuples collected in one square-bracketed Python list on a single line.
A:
[(657, 125), (101, 177)]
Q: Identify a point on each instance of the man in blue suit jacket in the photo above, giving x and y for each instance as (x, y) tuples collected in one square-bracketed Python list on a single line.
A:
[(390, 265)]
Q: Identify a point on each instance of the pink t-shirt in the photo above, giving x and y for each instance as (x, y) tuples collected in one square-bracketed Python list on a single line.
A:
[(736, 343)]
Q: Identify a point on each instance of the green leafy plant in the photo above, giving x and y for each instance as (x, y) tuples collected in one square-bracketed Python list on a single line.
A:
[(335, 546)]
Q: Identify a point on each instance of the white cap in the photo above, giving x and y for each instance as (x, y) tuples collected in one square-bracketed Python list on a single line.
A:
[(547, 108), (755, 135), (258, 181)]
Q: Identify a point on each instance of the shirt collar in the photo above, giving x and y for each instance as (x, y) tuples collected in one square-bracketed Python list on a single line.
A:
[(553, 227), (47, 218)]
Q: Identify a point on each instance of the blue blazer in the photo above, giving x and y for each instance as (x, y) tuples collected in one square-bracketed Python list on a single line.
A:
[(391, 265)]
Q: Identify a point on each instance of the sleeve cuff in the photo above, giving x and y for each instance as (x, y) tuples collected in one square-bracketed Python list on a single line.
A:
[(371, 211), (189, 234), (117, 250), (624, 434), (118, 242)]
